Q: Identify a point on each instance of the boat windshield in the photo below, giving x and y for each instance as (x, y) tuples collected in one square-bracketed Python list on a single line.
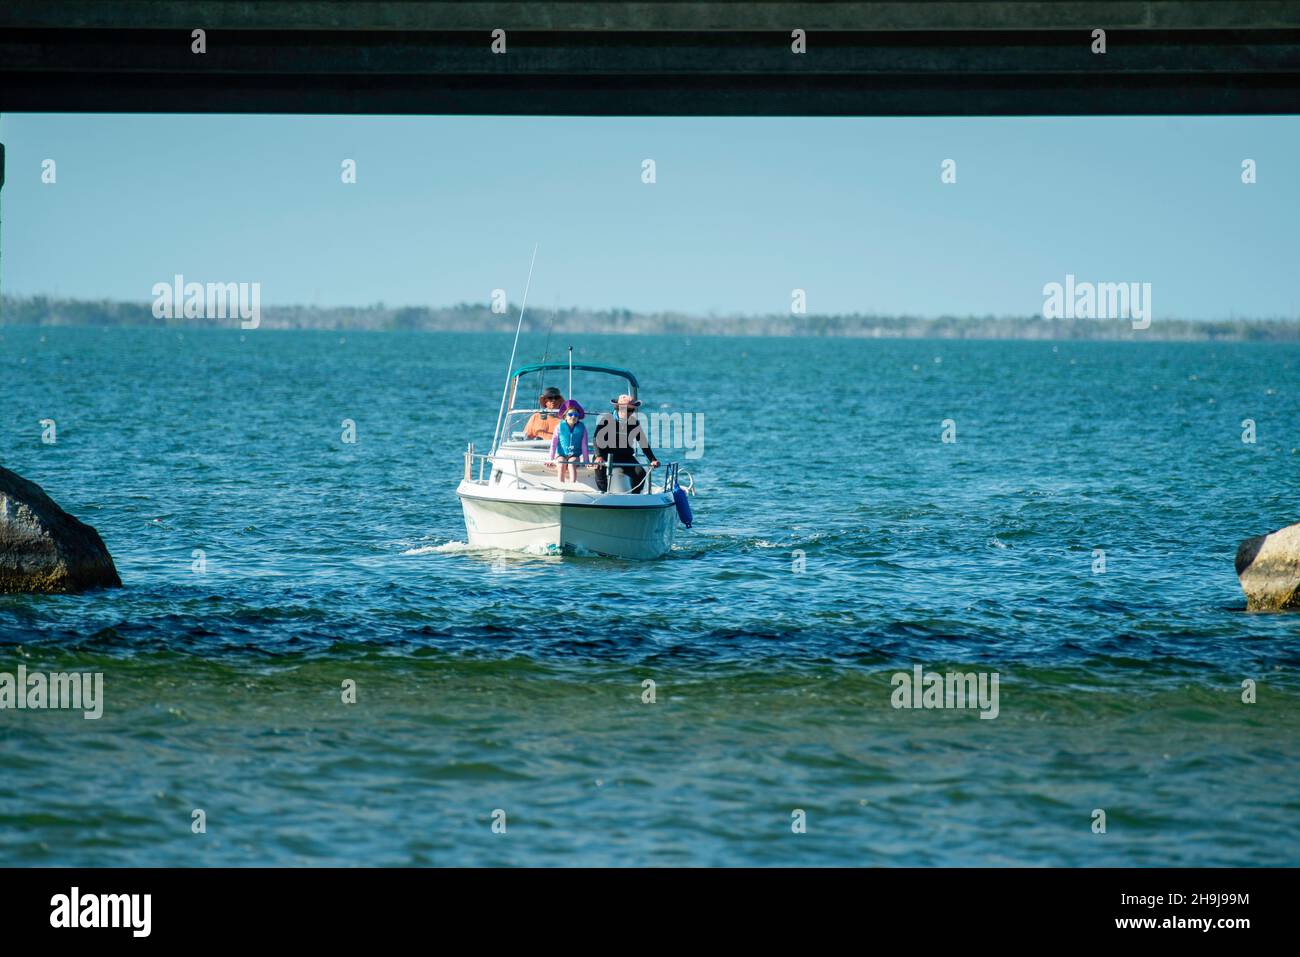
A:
[(531, 420)]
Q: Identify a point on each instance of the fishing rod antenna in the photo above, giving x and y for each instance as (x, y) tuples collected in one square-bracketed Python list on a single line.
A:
[(547, 351), (505, 389)]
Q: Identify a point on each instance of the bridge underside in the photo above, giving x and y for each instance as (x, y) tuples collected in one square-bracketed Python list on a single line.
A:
[(651, 58)]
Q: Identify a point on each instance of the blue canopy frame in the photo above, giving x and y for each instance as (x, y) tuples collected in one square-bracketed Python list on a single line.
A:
[(547, 366)]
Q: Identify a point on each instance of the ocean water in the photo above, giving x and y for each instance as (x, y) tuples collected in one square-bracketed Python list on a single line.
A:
[(838, 542)]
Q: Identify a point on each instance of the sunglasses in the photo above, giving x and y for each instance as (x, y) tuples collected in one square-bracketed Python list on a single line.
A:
[(570, 415)]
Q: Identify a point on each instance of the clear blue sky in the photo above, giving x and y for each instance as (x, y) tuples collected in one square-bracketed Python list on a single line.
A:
[(445, 209)]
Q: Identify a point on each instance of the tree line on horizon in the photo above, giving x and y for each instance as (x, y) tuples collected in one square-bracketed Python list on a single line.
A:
[(477, 317)]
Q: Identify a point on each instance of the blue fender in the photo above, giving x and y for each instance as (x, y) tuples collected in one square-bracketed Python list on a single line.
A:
[(683, 506)]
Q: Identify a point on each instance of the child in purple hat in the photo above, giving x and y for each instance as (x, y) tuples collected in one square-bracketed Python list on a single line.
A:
[(569, 445)]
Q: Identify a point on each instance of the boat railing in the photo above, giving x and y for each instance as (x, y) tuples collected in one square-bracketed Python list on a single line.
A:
[(671, 470), (470, 456)]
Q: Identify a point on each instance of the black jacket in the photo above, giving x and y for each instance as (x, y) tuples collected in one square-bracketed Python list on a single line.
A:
[(617, 439)]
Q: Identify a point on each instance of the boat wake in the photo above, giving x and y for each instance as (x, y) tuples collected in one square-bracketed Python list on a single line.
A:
[(537, 550), (446, 548)]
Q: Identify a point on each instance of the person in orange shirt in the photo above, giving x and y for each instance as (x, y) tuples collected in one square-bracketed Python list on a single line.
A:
[(542, 425)]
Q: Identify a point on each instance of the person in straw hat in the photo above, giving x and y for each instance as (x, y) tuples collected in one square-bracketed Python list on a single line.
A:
[(618, 435)]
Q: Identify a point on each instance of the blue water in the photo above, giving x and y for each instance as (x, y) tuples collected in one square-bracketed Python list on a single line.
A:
[(838, 541)]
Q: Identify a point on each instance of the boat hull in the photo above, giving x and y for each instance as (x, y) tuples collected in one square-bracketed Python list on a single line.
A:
[(619, 526)]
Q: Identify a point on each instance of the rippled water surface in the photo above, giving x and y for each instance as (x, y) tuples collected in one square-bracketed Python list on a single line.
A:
[(838, 541)]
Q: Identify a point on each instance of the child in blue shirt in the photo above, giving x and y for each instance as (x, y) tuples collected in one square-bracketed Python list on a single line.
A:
[(569, 445)]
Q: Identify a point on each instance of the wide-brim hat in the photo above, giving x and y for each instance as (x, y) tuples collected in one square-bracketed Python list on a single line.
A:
[(626, 400), (551, 392)]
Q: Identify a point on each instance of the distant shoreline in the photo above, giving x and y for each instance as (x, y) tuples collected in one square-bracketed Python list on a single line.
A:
[(467, 317)]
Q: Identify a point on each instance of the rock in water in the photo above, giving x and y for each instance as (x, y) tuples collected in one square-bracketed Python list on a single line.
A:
[(1269, 569), (43, 548)]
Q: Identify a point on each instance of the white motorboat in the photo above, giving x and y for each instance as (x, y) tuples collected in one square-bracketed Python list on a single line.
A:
[(512, 497)]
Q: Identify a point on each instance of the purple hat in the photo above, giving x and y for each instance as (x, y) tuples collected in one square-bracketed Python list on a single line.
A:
[(572, 404)]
